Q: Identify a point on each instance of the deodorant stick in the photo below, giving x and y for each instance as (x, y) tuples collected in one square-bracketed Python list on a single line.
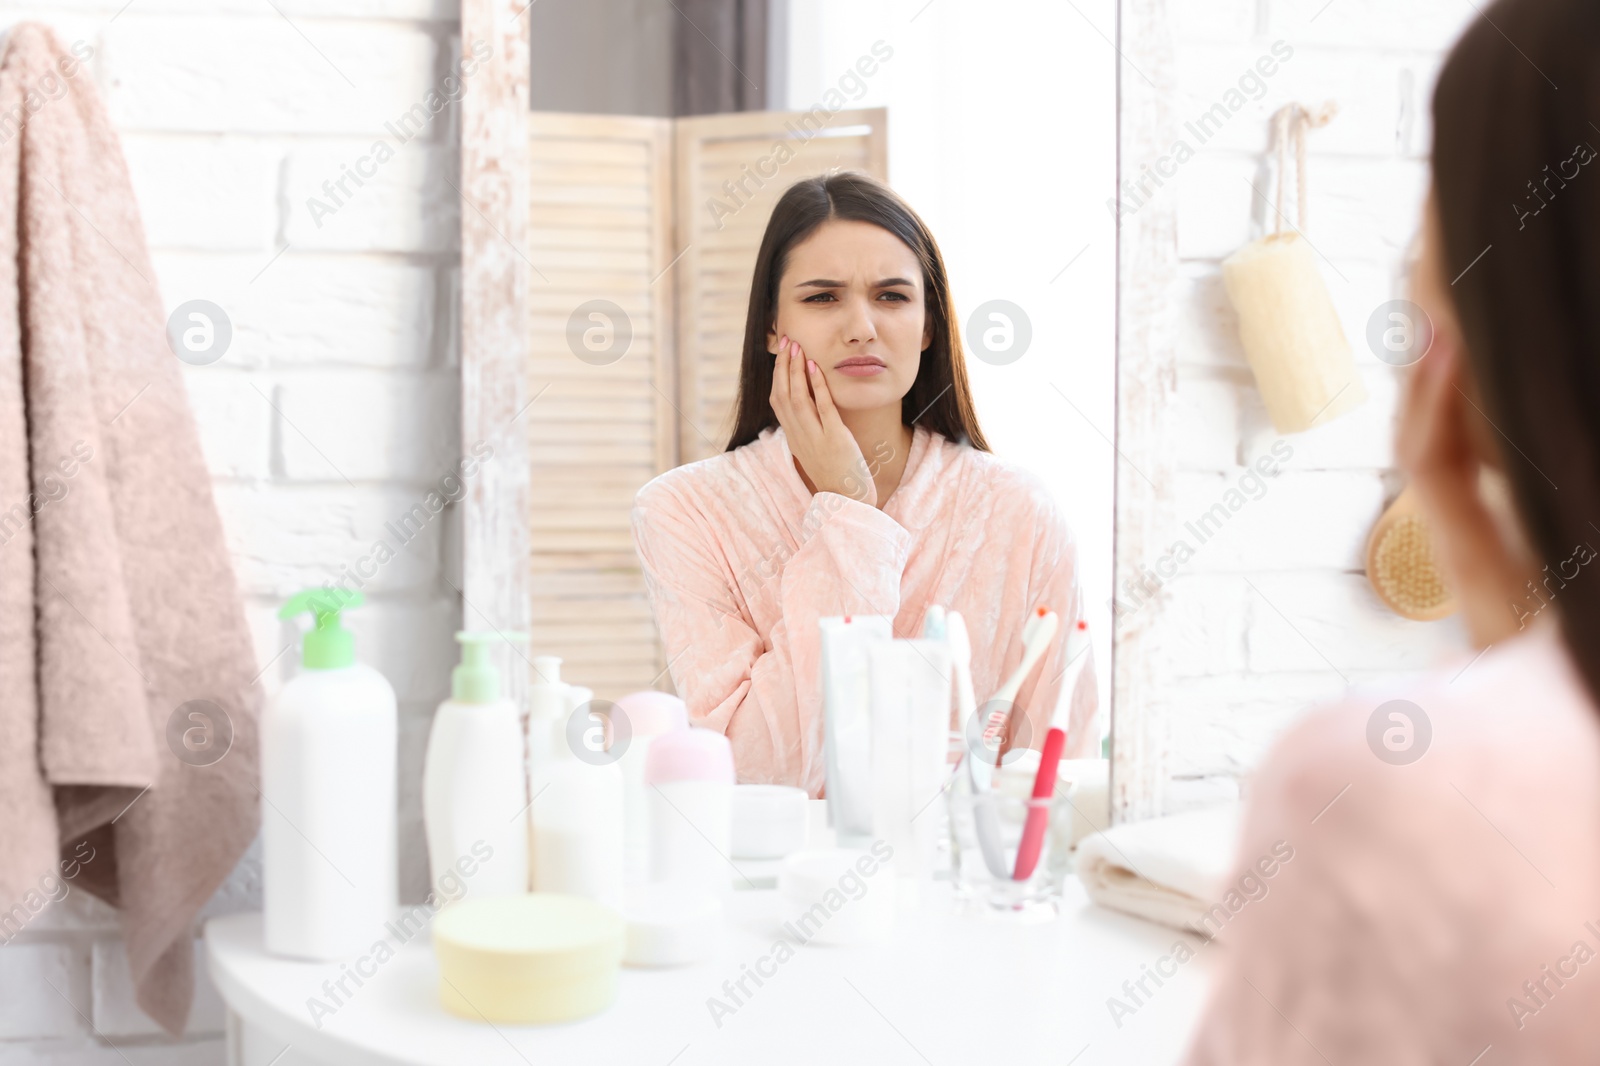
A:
[(689, 777), (643, 717)]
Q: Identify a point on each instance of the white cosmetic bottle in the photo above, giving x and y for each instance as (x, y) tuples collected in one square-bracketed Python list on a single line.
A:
[(328, 837), (690, 776), (474, 792), (638, 718), (577, 816)]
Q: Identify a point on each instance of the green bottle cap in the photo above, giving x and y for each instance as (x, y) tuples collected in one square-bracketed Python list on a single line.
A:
[(328, 645), (476, 679)]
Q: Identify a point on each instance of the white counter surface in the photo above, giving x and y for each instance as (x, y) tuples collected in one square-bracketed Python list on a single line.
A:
[(951, 988)]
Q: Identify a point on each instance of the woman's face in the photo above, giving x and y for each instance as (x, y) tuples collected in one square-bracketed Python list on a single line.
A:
[(852, 297)]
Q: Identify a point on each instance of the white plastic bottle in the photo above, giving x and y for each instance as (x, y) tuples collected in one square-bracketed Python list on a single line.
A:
[(577, 813), (548, 700), (474, 792), (643, 716), (690, 776), (328, 739)]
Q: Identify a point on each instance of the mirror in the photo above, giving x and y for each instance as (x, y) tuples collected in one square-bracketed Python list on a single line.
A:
[(657, 146)]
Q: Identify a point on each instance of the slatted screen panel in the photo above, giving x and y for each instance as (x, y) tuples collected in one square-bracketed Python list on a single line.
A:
[(729, 176), (622, 211), (601, 229)]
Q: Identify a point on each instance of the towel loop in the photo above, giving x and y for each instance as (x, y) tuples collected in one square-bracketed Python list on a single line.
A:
[(1290, 122)]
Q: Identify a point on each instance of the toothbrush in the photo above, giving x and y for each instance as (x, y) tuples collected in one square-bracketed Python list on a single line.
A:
[(985, 819), (1044, 782), (1037, 634)]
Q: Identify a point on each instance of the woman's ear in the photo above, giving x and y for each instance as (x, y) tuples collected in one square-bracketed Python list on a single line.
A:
[(772, 340)]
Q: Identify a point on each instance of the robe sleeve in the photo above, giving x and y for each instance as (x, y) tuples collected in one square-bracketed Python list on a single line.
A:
[(764, 695), (1053, 582)]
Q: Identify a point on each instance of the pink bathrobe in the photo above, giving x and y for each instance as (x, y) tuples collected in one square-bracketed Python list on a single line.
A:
[(741, 560), (1445, 910)]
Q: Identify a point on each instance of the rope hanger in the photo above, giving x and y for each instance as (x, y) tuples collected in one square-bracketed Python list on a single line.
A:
[(1291, 122)]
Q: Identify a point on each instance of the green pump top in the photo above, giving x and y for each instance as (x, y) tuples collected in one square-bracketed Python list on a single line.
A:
[(476, 679), (328, 645)]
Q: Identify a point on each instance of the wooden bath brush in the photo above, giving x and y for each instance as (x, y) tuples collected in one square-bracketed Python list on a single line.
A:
[(1402, 567)]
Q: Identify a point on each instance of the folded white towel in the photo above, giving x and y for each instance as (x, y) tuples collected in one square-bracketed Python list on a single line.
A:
[(1170, 870)]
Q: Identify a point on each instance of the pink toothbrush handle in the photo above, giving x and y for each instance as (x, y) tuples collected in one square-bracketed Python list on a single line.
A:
[(1044, 785)]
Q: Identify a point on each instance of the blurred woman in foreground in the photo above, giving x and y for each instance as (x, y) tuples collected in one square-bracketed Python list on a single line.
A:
[(1443, 902)]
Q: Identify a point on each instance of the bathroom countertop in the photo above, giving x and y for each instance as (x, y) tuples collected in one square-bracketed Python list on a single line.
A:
[(950, 988)]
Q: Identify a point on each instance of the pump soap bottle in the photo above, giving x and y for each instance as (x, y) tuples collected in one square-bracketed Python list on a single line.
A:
[(328, 740), (474, 788)]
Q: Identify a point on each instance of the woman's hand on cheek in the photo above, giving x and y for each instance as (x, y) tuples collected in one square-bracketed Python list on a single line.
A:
[(818, 438)]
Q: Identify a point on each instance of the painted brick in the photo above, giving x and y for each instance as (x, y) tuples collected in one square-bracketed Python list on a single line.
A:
[(1208, 411), (368, 426), (312, 309), (262, 73), (1330, 620), (284, 538), (429, 10), (43, 989), (1225, 724), (273, 644), (1358, 208), (71, 28), (410, 642), (117, 1012), (1300, 520), (1383, 97), (76, 912), (1205, 626), (1359, 439), (1217, 20), (205, 192), (1370, 25), (407, 204), (1207, 327), (235, 423)]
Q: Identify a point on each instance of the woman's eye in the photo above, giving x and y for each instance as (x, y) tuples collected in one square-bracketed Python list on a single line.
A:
[(900, 296), (818, 296)]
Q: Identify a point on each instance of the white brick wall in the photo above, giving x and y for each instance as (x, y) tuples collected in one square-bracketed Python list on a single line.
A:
[(1275, 614), (332, 413)]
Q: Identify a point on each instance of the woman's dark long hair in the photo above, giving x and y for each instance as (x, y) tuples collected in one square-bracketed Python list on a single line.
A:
[(1517, 187), (940, 397)]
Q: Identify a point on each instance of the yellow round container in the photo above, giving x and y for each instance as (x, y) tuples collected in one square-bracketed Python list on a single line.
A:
[(531, 959)]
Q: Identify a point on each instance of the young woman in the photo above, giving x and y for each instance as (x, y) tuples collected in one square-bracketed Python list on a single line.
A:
[(1443, 900), (856, 482)]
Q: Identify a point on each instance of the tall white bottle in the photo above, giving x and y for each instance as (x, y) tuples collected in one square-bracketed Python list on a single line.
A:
[(328, 740), (474, 783), (577, 815)]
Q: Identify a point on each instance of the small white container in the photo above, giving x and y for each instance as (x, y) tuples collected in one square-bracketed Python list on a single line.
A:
[(668, 925), (690, 776), (839, 895), (638, 719), (769, 821)]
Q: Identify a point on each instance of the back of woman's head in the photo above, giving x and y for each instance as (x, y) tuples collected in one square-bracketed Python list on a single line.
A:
[(1516, 176)]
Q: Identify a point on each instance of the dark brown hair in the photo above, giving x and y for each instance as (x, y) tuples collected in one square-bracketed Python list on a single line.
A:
[(1520, 236), (940, 397)]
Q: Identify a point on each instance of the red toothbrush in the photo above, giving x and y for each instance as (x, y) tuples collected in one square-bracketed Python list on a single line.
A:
[(1044, 782)]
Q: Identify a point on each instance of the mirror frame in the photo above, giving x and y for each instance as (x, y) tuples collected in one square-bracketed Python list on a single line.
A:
[(496, 275), (1145, 521)]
